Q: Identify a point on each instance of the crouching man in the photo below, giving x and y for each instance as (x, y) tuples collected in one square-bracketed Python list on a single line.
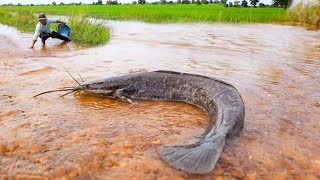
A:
[(44, 32)]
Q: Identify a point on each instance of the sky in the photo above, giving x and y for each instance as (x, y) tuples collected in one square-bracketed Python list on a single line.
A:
[(83, 1)]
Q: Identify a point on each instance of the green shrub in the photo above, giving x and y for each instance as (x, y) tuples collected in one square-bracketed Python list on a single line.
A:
[(86, 33)]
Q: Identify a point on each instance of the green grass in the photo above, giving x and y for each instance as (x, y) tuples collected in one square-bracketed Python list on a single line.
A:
[(23, 20), (167, 13), (84, 33)]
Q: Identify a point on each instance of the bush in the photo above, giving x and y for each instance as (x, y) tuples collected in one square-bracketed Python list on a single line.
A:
[(306, 14), (86, 33)]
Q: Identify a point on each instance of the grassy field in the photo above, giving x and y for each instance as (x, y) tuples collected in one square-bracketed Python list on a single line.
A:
[(167, 13)]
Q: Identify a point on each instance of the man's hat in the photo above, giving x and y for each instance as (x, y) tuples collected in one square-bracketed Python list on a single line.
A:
[(42, 16)]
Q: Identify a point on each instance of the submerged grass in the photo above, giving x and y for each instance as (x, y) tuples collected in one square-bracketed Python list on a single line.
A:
[(84, 33), (306, 14)]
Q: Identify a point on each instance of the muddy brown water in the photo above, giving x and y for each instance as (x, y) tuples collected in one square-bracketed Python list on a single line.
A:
[(276, 69)]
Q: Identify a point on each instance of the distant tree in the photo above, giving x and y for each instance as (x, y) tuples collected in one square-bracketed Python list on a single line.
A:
[(244, 3), (99, 2), (262, 5), (210, 1), (193, 1), (141, 1), (61, 4), (19, 4), (216, 1), (236, 3), (10, 4), (230, 4), (134, 2), (178, 1), (254, 2), (204, 2), (282, 3), (163, 1), (54, 3), (223, 1), (31, 4), (110, 2), (170, 2), (185, 2), (198, 2)]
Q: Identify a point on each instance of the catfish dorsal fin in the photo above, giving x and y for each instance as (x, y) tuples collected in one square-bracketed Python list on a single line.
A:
[(189, 74), (167, 72)]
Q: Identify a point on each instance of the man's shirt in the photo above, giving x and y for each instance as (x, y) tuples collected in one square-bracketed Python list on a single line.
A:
[(43, 28)]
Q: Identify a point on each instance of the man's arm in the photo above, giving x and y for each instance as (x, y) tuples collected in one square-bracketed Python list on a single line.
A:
[(35, 37), (32, 44), (59, 21)]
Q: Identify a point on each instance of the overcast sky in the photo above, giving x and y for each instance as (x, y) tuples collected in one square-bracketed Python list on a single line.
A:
[(83, 1)]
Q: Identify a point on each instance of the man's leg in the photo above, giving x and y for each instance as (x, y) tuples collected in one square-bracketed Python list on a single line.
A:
[(59, 36), (44, 37)]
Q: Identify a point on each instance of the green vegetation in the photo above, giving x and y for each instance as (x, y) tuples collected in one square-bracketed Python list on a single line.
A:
[(23, 20), (87, 33), (306, 14), (166, 12), (84, 33)]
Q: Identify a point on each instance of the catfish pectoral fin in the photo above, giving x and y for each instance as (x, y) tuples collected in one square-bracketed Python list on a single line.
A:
[(129, 100), (199, 158)]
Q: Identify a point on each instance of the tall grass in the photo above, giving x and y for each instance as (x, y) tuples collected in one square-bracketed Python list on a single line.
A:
[(306, 14), (87, 33), (23, 20), (169, 13), (84, 33)]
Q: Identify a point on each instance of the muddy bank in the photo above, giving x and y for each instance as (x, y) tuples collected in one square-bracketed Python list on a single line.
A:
[(275, 68)]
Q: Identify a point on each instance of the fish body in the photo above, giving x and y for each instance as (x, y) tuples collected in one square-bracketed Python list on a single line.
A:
[(221, 100)]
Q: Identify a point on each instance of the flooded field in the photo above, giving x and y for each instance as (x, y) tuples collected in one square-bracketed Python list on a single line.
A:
[(275, 68)]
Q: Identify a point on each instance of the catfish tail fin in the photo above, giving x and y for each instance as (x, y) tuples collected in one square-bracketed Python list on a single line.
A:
[(198, 158)]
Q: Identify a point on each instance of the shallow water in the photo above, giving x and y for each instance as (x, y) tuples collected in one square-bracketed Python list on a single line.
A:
[(275, 68)]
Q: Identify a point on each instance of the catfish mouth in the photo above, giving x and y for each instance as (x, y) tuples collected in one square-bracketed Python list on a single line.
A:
[(100, 92)]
